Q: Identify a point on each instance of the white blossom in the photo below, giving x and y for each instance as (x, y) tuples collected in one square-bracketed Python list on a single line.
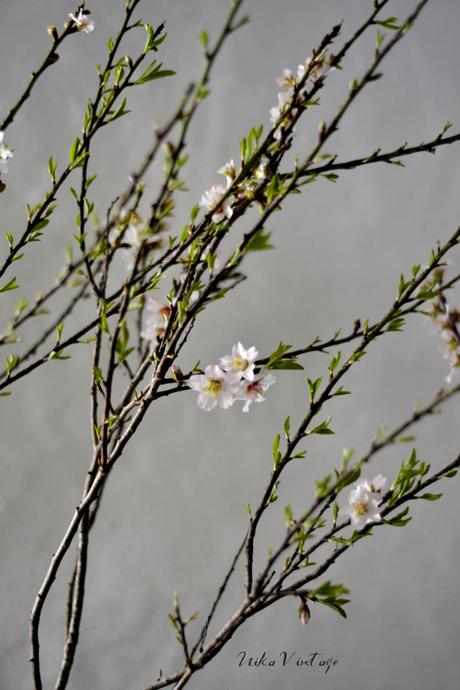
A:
[(253, 391), (378, 483), (210, 201), (83, 21), (229, 171), (286, 80), (5, 154), (363, 502), (241, 361), (156, 314), (215, 388), (261, 172), (275, 113)]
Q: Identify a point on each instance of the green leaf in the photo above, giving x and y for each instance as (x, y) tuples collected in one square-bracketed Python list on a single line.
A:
[(313, 387), (74, 150), (430, 497), (52, 165), (396, 324), (153, 42), (39, 225), (277, 354), (357, 356), (334, 606), (287, 426), (57, 355), (400, 519), (322, 428), (322, 486), (120, 111), (260, 241), (390, 23), (334, 363), (154, 71), (9, 238), (349, 478), (335, 512), (327, 589), (11, 285), (276, 452), (287, 364), (204, 39)]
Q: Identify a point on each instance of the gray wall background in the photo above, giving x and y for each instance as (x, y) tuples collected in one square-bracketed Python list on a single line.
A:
[(174, 511)]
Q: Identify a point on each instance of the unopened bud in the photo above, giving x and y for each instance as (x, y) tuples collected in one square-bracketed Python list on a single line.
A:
[(52, 31), (177, 374)]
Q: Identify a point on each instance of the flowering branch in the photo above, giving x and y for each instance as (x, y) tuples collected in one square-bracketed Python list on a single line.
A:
[(129, 374)]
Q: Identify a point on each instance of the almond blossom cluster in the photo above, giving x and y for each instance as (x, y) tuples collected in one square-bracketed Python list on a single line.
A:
[(364, 501), (234, 378), (5, 155), (211, 200), (316, 66)]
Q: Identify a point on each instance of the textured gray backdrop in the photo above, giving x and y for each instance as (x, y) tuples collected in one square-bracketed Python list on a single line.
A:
[(175, 508)]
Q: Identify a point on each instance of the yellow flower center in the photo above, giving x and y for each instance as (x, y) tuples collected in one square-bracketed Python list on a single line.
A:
[(361, 508), (213, 387), (239, 363)]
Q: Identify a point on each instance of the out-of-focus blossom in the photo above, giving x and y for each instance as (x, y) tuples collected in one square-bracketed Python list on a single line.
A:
[(211, 201), (156, 314), (5, 155)]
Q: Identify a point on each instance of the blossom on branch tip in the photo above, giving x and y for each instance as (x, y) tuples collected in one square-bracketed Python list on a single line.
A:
[(363, 502), (210, 201), (5, 154), (82, 21), (253, 391), (241, 361), (215, 388)]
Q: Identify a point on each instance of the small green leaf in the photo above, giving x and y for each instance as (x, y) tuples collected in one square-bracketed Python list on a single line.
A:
[(120, 111), (74, 150), (287, 426), (154, 71), (276, 451), (204, 39), (322, 428), (52, 165), (313, 387), (430, 497), (349, 478), (9, 238), (11, 285), (399, 520), (322, 486), (260, 241)]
